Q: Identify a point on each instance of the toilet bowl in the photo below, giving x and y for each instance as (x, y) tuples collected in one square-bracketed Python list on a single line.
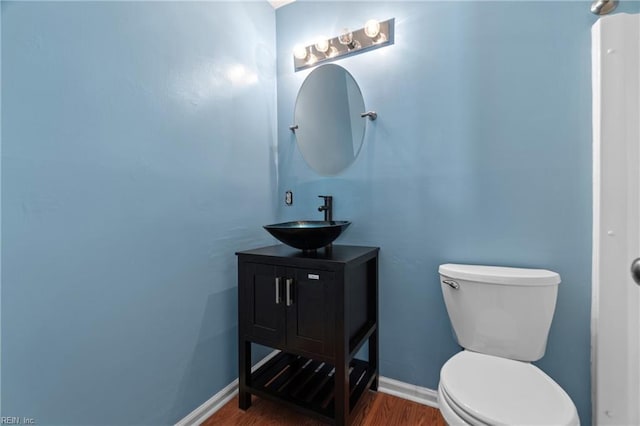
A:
[(479, 389), (501, 317)]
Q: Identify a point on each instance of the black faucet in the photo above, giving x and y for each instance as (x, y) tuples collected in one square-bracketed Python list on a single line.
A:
[(327, 207)]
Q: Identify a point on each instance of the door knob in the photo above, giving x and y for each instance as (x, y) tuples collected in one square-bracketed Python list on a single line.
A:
[(635, 270)]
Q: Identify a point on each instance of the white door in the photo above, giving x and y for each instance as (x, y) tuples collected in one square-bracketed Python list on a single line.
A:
[(616, 218)]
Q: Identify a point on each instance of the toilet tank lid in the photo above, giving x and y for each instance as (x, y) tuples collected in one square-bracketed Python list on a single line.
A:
[(500, 275)]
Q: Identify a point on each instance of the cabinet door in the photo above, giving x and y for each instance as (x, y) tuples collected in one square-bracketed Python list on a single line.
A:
[(264, 315), (310, 311)]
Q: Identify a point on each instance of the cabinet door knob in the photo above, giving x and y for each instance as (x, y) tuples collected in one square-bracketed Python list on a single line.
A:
[(635, 270), (278, 298), (289, 283)]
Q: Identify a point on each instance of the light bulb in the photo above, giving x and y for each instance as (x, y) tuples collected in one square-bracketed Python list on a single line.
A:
[(322, 45), (346, 37), (372, 28), (312, 59), (332, 52), (300, 52), (382, 37)]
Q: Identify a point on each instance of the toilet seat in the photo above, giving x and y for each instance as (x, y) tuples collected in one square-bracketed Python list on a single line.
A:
[(454, 415), (485, 389)]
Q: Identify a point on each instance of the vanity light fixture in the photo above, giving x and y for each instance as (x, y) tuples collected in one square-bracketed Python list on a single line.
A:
[(373, 35)]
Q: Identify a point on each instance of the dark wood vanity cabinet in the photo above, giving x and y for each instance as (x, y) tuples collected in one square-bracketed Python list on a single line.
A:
[(318, 309), (289, 307)]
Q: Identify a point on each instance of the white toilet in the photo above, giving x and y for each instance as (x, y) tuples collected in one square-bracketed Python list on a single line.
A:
[(501, 317)]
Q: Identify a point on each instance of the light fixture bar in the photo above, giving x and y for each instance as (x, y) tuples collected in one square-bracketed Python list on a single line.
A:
[(372, 36)]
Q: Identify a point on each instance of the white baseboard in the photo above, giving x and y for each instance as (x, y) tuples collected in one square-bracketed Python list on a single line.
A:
[(404, 390), (217, 401), (385, 385)]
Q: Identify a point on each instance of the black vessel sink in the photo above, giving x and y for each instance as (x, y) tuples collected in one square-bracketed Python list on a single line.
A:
[(308, 234)]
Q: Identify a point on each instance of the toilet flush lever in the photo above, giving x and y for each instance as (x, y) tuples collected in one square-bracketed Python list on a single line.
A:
[(454, 285)]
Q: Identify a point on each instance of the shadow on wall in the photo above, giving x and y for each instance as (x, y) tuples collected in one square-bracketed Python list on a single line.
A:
[(217, 329), (213, 359)]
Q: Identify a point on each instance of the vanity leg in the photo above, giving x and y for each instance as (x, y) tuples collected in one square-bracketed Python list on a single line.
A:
[(244, 364), (341, 394), (372, 298), (373, 359), (341, 382)]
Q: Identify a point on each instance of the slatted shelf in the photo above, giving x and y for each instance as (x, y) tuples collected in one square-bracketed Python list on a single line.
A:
[(308, 383)]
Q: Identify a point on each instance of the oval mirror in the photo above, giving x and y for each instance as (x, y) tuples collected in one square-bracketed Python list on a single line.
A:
[(327, 112)]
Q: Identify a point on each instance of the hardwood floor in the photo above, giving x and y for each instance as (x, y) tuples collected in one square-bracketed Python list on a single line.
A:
[(376, 409)]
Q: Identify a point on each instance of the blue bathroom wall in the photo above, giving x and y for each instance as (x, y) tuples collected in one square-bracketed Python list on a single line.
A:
[(138, 154), (481, 153)]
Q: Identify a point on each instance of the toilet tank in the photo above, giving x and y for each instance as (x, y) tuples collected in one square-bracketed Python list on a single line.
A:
[(506, 312)]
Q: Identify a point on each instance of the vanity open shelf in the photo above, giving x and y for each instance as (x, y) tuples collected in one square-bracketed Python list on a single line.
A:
[(318, 309), (307, 384)]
